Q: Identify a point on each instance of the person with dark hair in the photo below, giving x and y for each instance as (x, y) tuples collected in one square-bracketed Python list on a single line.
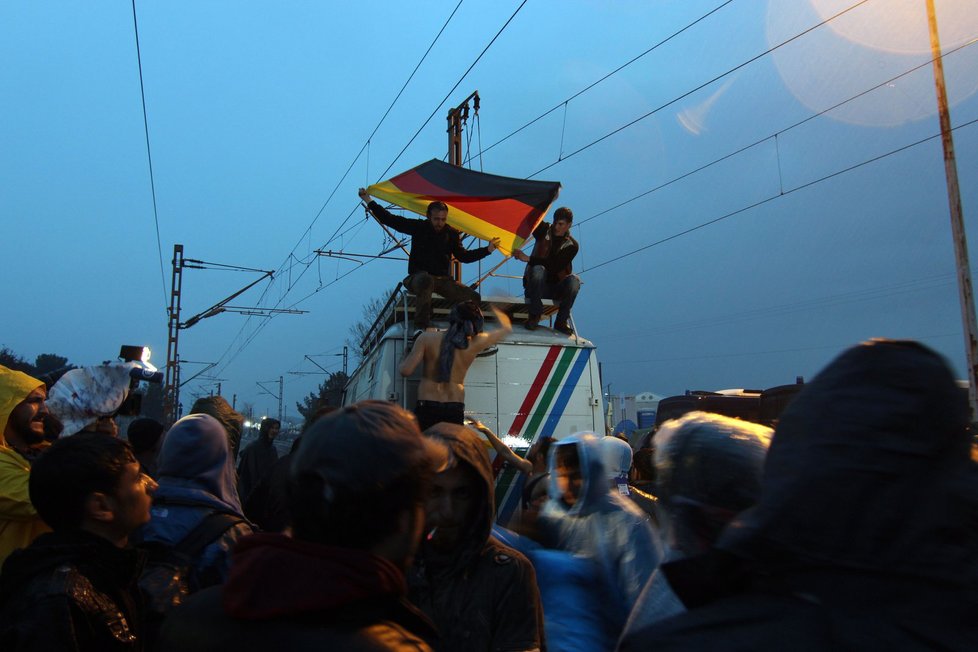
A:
[(219, 408), (447, 356), (549, 272), (357, 487), (74, 588), (24, 419), (864, 534), (258, 458), (433, 245), (480, 593), (268, 505), (196, 480), (709, 469), (145, 435)]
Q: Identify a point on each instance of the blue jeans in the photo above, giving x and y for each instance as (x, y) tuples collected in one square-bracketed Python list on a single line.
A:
[(563, 293)]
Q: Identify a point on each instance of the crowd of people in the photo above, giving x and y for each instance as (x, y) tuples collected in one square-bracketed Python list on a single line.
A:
[(853, 524)]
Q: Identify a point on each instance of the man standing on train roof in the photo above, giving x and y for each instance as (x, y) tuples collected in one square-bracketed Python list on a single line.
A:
[(433, 244), (548, 271), (447, 356)]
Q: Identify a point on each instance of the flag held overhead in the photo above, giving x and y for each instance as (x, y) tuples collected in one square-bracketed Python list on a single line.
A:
[(483, 205)]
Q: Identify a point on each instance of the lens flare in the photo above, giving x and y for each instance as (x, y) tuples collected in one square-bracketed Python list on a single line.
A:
[(868, 46)]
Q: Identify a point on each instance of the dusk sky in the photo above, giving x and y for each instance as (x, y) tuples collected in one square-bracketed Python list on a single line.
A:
[(751, 196)]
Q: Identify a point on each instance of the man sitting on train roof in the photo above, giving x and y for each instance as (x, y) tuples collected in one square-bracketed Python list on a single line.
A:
[(447, 356), (433, 244), (548, 271)]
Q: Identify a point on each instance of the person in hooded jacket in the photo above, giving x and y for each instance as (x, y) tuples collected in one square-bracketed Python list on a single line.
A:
[(196, 479), (480, 593), (22, 438), (586, 517), (864, 537), (708, 470), (258, 458), (357, 487)]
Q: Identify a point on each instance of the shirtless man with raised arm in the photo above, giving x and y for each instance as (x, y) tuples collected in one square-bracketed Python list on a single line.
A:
[(447, 356)]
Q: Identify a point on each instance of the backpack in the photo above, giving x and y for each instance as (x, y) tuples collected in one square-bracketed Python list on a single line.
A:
[(166, 577)]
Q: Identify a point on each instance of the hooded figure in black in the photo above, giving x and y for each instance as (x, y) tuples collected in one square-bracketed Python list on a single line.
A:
[(481, 594), (866, 533)]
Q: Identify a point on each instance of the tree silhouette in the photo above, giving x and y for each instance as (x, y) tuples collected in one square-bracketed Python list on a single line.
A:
[(330, 393)]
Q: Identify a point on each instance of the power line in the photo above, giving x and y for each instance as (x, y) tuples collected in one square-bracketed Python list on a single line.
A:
[(149, 154), (773, 197), (700, 87), (613, 72), (333, 193), (457, 84), (420, 129), (773, 135)]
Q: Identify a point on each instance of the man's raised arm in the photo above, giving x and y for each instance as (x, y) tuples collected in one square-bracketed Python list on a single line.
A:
[(487, 339), (385, 217)]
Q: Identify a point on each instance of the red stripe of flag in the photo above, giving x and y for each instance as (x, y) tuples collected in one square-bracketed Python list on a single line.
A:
[(504, 212)]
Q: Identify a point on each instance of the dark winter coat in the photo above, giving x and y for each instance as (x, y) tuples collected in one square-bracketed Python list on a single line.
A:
[(431, 251), (70, 591), (866, 534), (485, 595), (285, 594), (257, 460), (268, 505), (555, 254)]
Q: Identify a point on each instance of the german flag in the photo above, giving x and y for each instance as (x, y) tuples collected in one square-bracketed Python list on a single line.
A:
[(483, 205)]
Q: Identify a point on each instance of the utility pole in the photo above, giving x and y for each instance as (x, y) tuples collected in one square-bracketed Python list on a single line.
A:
[(281, 393), (171, 383), (965, 291), (171, 387), (457, 118)]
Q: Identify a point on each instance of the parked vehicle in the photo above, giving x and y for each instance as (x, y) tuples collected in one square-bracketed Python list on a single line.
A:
[(533, 384)]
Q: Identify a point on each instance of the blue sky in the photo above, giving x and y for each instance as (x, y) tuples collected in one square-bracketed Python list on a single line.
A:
[(257, 110)]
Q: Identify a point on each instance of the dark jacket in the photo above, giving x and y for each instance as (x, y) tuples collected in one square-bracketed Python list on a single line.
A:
[(484, 596), (431, 251), (268, 504), (865, 535), (257, 460), (285, 594), (70, 591), (553, 253)]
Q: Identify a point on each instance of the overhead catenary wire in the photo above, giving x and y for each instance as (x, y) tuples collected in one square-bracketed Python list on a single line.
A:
[(780, 132), (700, 87), (411, 140), (434, 112), (322, 287), (149, 156), (779, 195), (365, 147), (457, 84), (610, 74)]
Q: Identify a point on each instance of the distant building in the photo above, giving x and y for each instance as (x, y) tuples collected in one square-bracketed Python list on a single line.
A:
[(640, 409)]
